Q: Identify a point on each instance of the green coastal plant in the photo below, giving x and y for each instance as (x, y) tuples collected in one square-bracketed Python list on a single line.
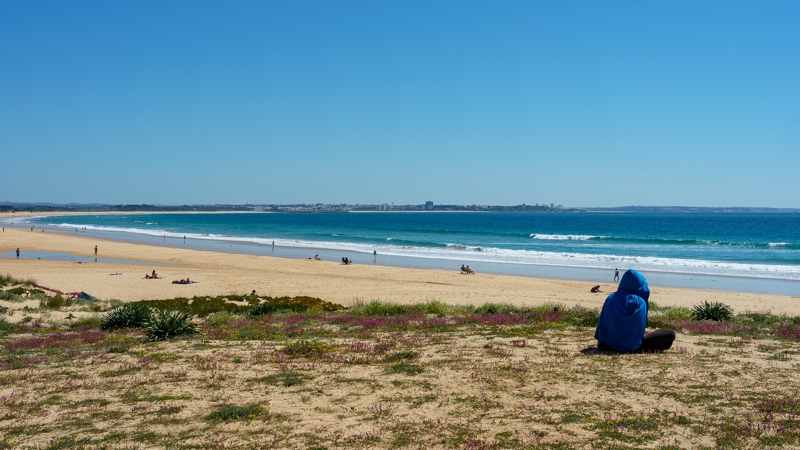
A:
[(678, 312), (165, 325), (126, 316), (8, 280), (229, 413), (57, 302), (714, 311)]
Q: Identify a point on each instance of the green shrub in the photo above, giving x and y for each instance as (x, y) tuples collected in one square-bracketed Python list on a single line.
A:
[(679, 312), (307, 348), (219, 318), (229, 413), (127, 316), (8, 280), (715, 311), (263, 309), (56, 302), (7, 328), (205, 306), (11, 296), (378, 308), (402, 356), (549, 307), (406, 368), (494, 308), (164, 325)]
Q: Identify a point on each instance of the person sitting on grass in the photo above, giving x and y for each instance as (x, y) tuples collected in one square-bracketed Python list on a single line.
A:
[(623, 319)]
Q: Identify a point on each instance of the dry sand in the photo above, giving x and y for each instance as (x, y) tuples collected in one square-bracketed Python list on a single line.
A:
[(222, 273)]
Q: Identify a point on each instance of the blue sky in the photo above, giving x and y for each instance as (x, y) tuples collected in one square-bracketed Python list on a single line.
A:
[(577, 103)]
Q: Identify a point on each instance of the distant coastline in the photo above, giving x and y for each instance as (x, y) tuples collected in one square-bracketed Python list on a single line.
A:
[(53, 208)]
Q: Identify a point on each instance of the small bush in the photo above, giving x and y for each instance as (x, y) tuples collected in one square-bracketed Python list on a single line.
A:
[(165, 325), (434, 307), (679, 312), (307, 348), (494, 308), (230, 413), (550, 307), (205, 306), (379, 308), (127, 316), (402, 356), (787, 331), (8, 280), (56, 302), (406, 368), (263, 309), (287, 379), (715, 311), (220, 318)]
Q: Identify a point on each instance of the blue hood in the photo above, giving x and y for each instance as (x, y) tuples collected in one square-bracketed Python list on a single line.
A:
[(624, 315), (634, 283)]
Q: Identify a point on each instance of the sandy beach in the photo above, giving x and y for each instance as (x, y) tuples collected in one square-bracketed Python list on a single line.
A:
[(223, 273)]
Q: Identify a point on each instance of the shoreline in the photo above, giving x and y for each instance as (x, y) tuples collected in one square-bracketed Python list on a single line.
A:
[(220, 273), (252, 246)]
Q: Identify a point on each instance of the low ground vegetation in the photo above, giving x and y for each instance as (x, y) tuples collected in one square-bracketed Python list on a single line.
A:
[(304, 373)]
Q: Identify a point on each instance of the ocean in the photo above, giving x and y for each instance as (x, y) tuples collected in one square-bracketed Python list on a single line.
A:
[(753, 246)]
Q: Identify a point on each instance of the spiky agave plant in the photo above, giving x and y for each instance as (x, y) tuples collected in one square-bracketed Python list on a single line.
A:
[(716, 311), (165, 324), (126, 316)]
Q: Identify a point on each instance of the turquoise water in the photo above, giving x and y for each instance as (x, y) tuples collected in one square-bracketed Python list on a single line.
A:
[(749, 245)]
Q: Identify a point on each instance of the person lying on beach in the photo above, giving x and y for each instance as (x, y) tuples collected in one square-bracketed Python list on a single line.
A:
[(186, 281), (623, 319), (153, 276), (596, 289)]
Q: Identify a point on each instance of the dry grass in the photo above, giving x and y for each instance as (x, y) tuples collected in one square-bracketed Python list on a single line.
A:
[(334, 380)]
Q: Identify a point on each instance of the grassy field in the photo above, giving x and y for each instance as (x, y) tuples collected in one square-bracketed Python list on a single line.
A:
[(301, 373)]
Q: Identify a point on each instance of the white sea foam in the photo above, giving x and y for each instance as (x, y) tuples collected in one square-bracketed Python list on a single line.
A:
[(778, 244), (563, 237), (458, 252)]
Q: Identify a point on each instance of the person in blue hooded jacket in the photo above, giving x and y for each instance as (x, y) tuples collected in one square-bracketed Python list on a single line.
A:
[(622, 322)]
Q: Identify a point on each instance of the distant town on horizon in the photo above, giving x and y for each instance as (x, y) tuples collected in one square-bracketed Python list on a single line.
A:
[(23, 207)]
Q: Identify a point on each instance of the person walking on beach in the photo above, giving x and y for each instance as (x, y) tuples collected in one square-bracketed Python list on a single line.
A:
[(616, 274), (17, 252), (95, 251)]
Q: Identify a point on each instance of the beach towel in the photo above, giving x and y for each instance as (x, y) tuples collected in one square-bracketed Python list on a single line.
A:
[(624, 314)]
